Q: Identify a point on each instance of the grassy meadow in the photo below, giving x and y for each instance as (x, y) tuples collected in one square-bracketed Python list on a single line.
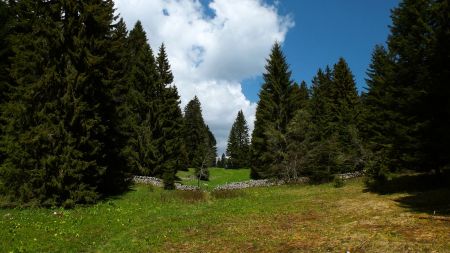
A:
[(290, 218)]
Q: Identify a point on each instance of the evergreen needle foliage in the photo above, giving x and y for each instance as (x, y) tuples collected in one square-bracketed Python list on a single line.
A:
[(273, 113), (200, 142), (238, 146), (58, 133)]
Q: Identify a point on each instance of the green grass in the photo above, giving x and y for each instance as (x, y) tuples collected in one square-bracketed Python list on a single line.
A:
[(217, 176), (296, 218)]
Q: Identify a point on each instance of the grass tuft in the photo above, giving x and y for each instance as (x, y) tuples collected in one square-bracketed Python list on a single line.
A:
[(191, 196), (227, 194)]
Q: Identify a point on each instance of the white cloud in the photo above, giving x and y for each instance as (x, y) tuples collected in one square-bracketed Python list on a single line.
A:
[(211, 54)]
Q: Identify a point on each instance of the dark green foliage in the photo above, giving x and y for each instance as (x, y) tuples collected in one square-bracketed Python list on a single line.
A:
[(212, 147), (378, 119), (419, 40), (200, 142), (153, 119), (300, 96), (168, 128), (194, 133), (273, 113), (141, 149), (343, 95), (323, 137), (222, 162), (238, 147), (6, 26), (407, 109), (59, 136)]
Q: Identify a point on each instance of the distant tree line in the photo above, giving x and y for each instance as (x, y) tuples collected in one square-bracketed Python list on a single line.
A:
[(85, 104), (401, 122)]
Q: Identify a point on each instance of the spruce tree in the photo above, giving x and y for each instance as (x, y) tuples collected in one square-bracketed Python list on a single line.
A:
[(378, 124), (419, 44), (273, 113), (212, 148), (6, 82), (6, 27), (141, 149), (58, 135), (323, 137), (169, 124), (238, 146), (344, 96), (300, 96), (313, 145), (199, 141), (223, 161), (346, 112)]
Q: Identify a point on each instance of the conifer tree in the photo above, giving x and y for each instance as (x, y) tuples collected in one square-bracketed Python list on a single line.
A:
[(223, 161), (273, 113), (6, 28), (300, 96), (378, 124), (313, 145), (418, 43), (321, 102), (212, 147), (142, 79), (200, 142), (344, 96), (169, 124), (346, 110), (238, 146), (58, 135), (323, 137)]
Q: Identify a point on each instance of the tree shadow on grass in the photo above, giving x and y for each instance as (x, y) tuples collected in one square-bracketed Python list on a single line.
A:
[(426, 193)]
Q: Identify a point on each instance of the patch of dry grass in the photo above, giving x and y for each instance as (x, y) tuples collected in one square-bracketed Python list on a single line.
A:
[(332, 220)]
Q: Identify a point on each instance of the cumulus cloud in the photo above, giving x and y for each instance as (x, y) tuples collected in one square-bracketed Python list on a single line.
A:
[(211, 49)]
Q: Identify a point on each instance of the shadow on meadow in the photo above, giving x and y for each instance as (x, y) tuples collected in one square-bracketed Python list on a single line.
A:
[(429, 193)]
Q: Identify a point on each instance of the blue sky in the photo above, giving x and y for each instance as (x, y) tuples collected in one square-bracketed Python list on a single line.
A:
[(326, 30)]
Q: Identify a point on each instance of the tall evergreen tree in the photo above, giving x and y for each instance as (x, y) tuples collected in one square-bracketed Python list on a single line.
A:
[(344, 96), (200, 142), (6, 28), (273, 113), (169, 124), (58, 134), (300, 96), (223, 161), (418, 39), (212, 148), (378, 126), (141, 149), (323, 137), (238, 146), (346, 109), (313, 146)]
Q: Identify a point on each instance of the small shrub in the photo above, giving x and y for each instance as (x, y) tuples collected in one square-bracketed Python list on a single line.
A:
[(191, 196), (338, 182)]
